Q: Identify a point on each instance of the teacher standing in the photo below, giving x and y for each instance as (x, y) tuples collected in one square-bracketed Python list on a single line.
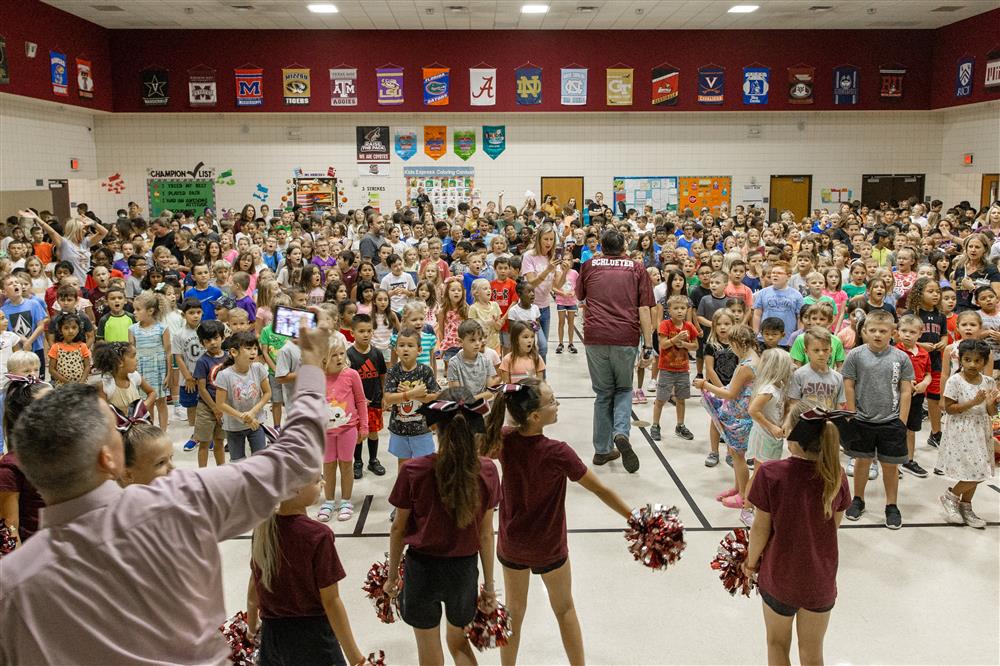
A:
[(619, 297), (540, 268), (73, 245)]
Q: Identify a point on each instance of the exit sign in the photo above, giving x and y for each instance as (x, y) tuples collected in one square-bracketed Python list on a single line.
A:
[(74, 164), (967, 159)]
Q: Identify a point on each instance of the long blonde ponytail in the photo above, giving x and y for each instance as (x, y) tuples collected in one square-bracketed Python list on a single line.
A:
[(265, 550)]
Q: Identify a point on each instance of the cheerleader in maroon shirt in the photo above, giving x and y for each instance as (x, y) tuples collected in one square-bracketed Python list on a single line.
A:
[(444, 513), (532, 537), (799, 502)]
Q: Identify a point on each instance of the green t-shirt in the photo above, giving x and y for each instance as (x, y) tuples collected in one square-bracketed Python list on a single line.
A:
[(837, 355), (114, 329), (853, 290), (809, 300), (272, 342)]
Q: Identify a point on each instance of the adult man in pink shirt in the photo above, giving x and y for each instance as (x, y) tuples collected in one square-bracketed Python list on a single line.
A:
[(619, 296), (134, 575)]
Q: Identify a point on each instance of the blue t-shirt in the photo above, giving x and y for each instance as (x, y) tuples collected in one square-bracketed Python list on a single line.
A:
[(781, 303), (23, 319), (206, 368), (686, 244), (207, 297)]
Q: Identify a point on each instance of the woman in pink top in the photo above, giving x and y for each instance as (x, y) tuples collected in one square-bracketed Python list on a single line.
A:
[(540, 268), (347, 427)]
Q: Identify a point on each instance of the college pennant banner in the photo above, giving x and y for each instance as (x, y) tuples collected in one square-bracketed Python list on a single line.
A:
[(494, 140), (529, 85), (435, 141), (756, 85), (250, 86), (711, 85), (845, 85), (155, 87), (373, 144), (892, 82), (58, 73), (992, 80), (4, 68), (665, 86), (572, 87), (963, 80), (202, 88), (465, 143), (482, 86), (437, 83), (801, 81), (343, 86), (620, 85), (406, 143), (295, 85), (390, 85), (84, 79)]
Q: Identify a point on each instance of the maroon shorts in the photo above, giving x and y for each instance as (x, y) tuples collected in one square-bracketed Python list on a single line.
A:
[(375, 419)]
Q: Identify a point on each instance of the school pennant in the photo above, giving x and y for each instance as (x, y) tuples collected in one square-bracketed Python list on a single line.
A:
[(801, 81), (620, 83), (665, 86), (711, 85), (295, 84), (845, 85), (892, 82), (249, 86), (390, 85), (572, 86), (756, 85), (84, 79), (58, 73), (437, 84), (343, 86), (528, 82), (155, 87), (963, 80), (202, 88), (482, 86)]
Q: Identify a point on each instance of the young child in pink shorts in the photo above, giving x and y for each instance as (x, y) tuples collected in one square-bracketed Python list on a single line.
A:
[(348, 427)]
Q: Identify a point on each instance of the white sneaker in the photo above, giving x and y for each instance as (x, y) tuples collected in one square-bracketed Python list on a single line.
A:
[(969, 516), (651, 386), (873, 471), (952, 513), (180, 413), (850, 467)]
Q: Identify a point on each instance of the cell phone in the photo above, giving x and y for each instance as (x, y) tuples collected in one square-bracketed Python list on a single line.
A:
[(288, 320), (559, 254)]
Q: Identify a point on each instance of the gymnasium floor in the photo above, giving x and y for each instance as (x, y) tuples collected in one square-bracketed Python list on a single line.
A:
[(926, 594)]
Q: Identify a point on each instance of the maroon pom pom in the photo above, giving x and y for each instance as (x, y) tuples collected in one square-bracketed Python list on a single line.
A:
[(235, 630), (8, 540), (655, 535), (374, 588), (729, 561), (376, 659), (489, 630)]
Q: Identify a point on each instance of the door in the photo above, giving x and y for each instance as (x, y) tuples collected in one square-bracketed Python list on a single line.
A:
[(991, 189), (59, 189), (908, 187), (792, 193), (891, 188), (563, 188)]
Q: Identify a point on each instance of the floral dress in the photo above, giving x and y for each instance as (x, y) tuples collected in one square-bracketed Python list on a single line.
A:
[(150, 354), (966, 450), (732, 417)]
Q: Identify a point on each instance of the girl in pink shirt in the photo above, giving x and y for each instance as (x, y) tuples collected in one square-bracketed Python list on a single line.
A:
[(347, 427)]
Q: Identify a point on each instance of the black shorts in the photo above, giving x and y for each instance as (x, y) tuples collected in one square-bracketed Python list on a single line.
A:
[(886, 441), (535, 570), (916, 416), (700, 353), (784, 609), (299, 640), (429, 581)]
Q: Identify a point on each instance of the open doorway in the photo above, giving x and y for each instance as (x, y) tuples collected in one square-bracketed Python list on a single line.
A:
[(889, 188), (991, 189), (792, 193), (563, 188)]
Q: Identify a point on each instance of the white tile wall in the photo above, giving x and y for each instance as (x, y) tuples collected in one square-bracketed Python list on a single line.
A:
[(38, 139), (836, 148)]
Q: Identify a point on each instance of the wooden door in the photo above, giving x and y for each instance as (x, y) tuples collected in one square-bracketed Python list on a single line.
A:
[(792, 193), (59, 189), (991, 189), (563, 188)]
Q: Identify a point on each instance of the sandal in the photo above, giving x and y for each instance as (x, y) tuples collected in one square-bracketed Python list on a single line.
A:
[(726, 493), (733, 502), (325, 512), (347, 510)]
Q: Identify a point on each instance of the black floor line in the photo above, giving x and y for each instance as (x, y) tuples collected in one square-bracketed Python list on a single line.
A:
[(676, 479), (366, 506), (994, 487)]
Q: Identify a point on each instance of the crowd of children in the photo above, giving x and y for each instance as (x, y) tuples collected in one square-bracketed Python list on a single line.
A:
[(440, 322)]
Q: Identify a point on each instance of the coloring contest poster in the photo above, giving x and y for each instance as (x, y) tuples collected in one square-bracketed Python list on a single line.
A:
[(700, 191)]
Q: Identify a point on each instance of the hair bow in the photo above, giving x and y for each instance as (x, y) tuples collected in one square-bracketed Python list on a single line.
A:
[(137, 413), (507, 388), (444, 410), (24, 379), (811, 423)]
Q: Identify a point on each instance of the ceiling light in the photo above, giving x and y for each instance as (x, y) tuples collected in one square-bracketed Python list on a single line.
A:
[(743, 9), (323, 8), (534, 9)]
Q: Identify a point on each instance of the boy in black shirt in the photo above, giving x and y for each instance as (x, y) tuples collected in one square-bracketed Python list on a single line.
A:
[(370, 364)]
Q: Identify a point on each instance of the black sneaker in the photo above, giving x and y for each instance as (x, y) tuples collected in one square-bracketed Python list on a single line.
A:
[(654, 433), (630, 461), (914, 468), (856, 509), (893, 518), (376, 467), (938, 471), (934, 439), (602, 458), (682, 432), (559, 349), (358, 469), (751, 462), (729, 460), (572, 349)]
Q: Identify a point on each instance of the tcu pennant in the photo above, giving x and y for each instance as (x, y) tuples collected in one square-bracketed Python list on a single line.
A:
[(483, 87), (892, 83)]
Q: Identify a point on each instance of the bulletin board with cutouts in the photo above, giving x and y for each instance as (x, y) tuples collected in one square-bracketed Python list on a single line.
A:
[(701, 191)]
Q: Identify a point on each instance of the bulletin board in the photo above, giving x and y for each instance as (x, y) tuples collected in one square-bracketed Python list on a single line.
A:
[(446, 186), (316, 193), (711, 191), (179, 194), (660, 192)]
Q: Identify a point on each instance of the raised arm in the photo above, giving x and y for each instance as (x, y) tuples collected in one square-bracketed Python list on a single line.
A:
[(53, 234)]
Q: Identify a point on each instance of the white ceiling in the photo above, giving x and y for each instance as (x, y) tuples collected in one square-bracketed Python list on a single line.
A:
[(506, 14)]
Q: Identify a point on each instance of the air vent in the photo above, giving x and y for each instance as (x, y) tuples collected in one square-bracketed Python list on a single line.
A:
[(948, 8), (107, 8)]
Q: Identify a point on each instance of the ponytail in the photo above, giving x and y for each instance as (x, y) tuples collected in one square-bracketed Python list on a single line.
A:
[(519, 402), (456, 470), (828, 466), (265, 551)]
